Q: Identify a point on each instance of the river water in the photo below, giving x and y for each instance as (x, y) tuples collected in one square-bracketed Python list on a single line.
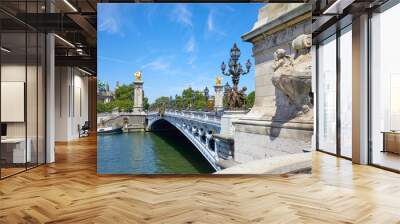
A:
[(149, 153)]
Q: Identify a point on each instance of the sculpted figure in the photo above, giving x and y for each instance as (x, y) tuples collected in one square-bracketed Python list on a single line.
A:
[(234, 98), (301, 42), (242, 97), (302, 62), (229, 96), (293, 76), (161, 110), (138, 76), (218, 81), (283, 62)]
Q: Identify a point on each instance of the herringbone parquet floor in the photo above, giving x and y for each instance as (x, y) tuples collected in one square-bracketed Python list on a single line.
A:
[(69, 191)]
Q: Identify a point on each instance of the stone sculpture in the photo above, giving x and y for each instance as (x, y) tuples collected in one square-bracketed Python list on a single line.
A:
[(283, 62), (235, 99), (218, 81), (292, 76), (138, 76)]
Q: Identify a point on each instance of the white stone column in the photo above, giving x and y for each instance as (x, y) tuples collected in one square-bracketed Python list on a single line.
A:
[(50, 92), (138, 96), (360, 90), (50, 98), (219, 97)]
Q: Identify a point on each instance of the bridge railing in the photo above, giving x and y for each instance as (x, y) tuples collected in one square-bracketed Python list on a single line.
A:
[(199, 115)]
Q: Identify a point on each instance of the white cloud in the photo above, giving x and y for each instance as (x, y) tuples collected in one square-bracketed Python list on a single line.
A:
[(105, 58), (210, 22), (182, 15), (192, 59), (161, 63), (109, 21), (158, 64), (212, 27), (109, 25), (190, 45)]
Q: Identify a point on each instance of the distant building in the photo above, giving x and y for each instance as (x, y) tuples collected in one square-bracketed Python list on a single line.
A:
[(104, 94)]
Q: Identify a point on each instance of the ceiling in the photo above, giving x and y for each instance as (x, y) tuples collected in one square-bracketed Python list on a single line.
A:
[(73, 21)]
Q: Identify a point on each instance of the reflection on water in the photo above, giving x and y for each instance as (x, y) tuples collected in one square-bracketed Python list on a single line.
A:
[(149, 153)]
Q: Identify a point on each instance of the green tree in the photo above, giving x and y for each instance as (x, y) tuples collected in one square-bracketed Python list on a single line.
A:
[(105, 107), (199, 102), (124, 92), (146, 104), (250, 100), (159, 103), (186, 97), (182, 102), (123, 105), (179, 102), (101, 108), (123, 98)]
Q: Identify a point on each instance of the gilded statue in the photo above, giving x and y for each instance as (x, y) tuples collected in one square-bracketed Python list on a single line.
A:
[(138, 76), (218, 81)]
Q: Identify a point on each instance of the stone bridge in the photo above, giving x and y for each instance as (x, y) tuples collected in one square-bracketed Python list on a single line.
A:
[(200, 128)]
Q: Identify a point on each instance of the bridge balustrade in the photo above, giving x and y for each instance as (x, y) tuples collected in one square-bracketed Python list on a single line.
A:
[(199, 115)]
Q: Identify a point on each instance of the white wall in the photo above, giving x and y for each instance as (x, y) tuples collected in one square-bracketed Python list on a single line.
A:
[(17, 73), (71, 102), (34, 124)]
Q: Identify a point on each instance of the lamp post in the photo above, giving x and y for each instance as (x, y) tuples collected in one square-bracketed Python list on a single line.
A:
[(170, 103), (227, 96), (227, 87), (191, 101), (206, 91), (176, 102), (235, 68)]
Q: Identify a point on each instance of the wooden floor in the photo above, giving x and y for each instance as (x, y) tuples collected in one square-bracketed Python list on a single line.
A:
[(69, 191)]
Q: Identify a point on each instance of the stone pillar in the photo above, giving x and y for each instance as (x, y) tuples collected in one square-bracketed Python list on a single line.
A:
[(50, 98), (138, 96), (360, 90), (50, 93), (279, 123), (219, 97)]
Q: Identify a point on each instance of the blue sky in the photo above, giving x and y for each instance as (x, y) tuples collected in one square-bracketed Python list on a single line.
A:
[(174, 45)]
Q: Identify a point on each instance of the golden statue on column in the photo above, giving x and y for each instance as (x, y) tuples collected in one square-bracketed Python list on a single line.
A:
[(218, 81), (138, 76)]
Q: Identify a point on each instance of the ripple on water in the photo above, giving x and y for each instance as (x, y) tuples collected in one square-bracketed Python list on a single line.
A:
[(149, 153)]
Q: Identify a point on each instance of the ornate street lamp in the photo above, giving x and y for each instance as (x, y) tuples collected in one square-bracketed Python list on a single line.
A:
[(170, 102), (206, 92), (227, 87), (191, 101), (176, 102), (235, 68), (233, 97)]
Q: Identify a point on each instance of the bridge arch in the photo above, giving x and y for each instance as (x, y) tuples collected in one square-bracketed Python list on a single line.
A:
[(198, 133)]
